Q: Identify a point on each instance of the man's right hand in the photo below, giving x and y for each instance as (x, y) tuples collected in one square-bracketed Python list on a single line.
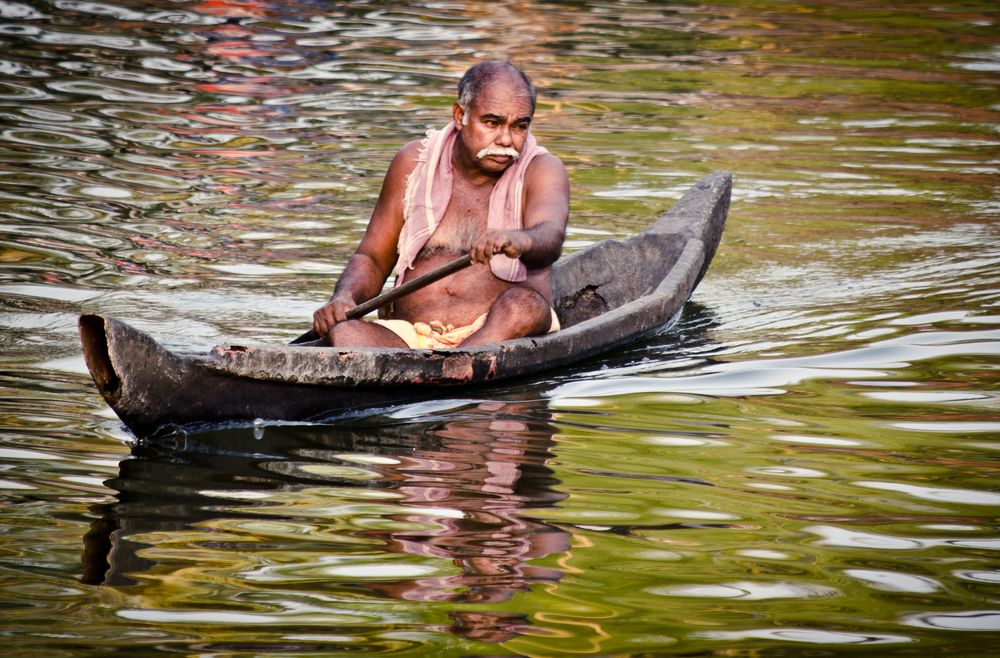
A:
[(331, 313), (511, 243)]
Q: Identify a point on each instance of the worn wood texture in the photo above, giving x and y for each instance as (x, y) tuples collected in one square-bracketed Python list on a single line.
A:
[(609, 294)]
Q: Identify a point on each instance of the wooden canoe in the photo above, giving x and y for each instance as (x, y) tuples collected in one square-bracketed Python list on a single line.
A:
[(607, 295)]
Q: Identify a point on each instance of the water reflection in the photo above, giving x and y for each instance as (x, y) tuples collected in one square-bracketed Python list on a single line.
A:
[(434, 512)]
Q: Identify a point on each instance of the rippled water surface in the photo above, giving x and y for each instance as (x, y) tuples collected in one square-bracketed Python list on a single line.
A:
[(805, 465)]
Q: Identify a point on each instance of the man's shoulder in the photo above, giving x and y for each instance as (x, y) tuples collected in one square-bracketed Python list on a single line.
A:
[(544, 166), (411, 149), (405, 160), (408, 153)]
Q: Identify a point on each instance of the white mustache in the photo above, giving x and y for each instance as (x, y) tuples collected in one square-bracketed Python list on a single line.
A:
[(498, 150)]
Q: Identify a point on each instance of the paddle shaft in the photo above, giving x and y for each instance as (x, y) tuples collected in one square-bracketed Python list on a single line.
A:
[(401, 290)]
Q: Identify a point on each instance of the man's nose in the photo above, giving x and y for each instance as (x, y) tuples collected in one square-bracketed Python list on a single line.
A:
[(504, 136)]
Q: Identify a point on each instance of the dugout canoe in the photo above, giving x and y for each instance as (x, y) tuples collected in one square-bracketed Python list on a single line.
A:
[(607, 295)]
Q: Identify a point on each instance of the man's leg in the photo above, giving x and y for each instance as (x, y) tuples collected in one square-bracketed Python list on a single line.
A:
[(358, 333), (519, 311)]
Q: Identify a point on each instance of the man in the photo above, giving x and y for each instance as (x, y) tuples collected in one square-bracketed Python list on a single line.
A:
[(481, 186)]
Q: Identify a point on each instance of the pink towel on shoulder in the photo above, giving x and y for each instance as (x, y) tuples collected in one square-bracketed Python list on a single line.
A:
[(428, 190)]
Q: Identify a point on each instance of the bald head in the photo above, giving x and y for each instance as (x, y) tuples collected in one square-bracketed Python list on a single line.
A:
[(481, 75)]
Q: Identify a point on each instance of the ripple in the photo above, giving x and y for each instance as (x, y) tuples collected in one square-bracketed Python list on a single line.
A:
[(748, 591), (925, 397), (969, 620), (774, 376), (249, 269), (217, 617), (34, 180), (380, 570), (929, 318), (737, 382), (805, 635), (19, 70), (146, 178), (118, 94), (319, 471), (17, 92), (19, 30), (20, 453), (13, 484), (950, 426), (984, 66), (844, 538), (100, 9), (392, 30), (180, 17), (100, 191), (48, 116), (54, 138), (950, 527), (344, 566), (75, 214), (12, 10), (165, 64), (88, 39), (937, 494), (703, 515), (141, 117), (787, 471), (815, 440), (52, 292), (764, 554), (891, 581), (675, 441), (992, 577), (833, 536)]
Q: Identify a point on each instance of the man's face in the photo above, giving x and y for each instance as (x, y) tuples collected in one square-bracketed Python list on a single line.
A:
[(495, 125)]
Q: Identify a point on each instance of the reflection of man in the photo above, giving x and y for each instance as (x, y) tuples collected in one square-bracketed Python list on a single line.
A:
[(489, 472), (462, 492), (481, 185)]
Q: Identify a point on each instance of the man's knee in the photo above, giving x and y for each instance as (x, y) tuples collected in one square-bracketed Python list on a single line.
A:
[(527, 304), (359, 333), (343, 333)]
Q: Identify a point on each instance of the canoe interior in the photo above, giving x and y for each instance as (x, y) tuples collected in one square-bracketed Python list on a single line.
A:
[(97, 356), (620, 272)]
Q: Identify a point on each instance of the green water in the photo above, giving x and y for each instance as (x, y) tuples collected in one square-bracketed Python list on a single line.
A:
[(805, 465)]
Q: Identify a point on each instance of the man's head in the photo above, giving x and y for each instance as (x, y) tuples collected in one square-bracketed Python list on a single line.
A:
[(496, 102), (478, 76)]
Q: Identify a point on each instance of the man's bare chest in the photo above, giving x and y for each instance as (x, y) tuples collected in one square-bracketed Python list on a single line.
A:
[(464, 219), (468, 202)]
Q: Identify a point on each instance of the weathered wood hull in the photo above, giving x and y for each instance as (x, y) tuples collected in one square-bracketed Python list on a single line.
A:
[(606, 295)]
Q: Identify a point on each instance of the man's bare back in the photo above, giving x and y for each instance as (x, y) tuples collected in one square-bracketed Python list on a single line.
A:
[(492, 128)]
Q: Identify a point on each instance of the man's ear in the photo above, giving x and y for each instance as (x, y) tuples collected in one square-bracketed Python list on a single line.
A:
[(457, 114)]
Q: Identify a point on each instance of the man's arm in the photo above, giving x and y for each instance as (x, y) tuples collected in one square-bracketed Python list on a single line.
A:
[(372, 262), (546, 211)]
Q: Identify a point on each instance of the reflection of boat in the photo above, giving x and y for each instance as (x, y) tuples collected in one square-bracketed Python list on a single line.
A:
[(607, 295), (440, 510)]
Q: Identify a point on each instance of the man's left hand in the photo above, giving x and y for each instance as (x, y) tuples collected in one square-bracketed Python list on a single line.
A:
[(499, 241)]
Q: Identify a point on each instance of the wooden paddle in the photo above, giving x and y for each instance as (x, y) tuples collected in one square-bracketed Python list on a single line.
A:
[(401, 290)]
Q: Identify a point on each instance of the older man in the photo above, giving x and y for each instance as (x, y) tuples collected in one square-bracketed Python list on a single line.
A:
[(482, 186)]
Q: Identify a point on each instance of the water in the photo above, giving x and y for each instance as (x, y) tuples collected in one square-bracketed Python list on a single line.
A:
[(806, 465)]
